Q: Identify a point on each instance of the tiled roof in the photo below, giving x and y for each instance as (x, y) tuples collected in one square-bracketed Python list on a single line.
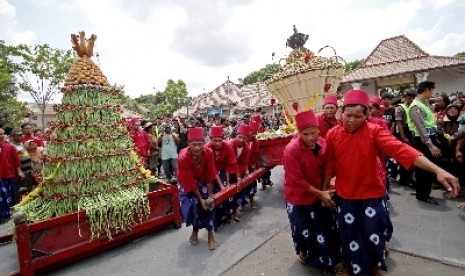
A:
[(396, 56), (230, 94)]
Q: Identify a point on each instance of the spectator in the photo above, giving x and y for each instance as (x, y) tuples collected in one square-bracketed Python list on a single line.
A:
[(181, 130), (169, 152), (25, 184), (36, 154), (26, 129), (10, 169), (440, 106)]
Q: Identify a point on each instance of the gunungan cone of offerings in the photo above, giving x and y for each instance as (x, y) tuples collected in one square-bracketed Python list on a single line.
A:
[(90, 163), (305, 79)]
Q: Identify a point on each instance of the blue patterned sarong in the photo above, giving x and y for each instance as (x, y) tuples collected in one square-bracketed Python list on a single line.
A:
[(7, 196), (363, 229), (314, 232), (251, 190), (192, 212)]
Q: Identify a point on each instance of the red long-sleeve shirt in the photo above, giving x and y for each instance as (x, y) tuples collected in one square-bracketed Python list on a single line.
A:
[(325, 125), (303, 169), (352, 158), (225, 159), (38, 140), (141, 141), (9, 161), (254, 152), (243, 158), (188, 171)]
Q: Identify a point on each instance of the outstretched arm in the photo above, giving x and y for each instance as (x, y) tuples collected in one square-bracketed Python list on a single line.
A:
[(450, 182)]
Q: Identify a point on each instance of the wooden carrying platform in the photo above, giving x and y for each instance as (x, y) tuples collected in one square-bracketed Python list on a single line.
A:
[(53, 243), (272, 150), (49, 244)]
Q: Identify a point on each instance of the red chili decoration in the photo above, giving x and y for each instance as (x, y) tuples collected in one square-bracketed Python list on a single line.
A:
[(327, 87), (295, 106), (308, 57)]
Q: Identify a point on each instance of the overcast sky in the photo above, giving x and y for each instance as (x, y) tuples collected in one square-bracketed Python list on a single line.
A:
[(143, 43)]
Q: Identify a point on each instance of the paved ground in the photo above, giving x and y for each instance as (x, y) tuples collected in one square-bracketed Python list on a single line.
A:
[(261, 244), (276, 257)]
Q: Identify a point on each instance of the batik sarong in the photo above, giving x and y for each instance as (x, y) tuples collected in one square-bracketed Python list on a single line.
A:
[(315, 233), (226, 208), (7, 196), (193, 213), (363, 231)]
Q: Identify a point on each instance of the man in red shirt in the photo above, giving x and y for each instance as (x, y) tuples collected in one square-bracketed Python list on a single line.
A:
[(140, 139), (353, 151), (328, 120), (225, 166), (10, 167), (251, 190), (196, 172), (27, 130), (242, 151), (313, 228)]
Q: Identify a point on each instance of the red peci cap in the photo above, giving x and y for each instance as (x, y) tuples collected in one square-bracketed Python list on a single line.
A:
[(195, 134), (253, 126), (330, 99), (356, 97), (134, 121), (375, 100), (305, 120), (216, 131), (257, 118), (244, 130)]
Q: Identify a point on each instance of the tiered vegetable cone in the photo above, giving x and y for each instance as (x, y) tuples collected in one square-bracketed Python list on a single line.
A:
[(90, 162)]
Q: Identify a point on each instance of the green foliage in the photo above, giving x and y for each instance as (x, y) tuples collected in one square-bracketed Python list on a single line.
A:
[(169, 100), (461, 54), (353, 65), (261, 75), (42, 70), (11, 110)]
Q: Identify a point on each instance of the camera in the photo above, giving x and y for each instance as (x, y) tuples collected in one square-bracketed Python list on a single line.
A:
[(167, 129)]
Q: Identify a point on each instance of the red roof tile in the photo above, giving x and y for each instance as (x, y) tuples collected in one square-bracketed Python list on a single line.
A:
[(399, 55)]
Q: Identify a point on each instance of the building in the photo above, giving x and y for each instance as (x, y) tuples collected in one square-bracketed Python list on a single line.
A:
[(36, 117), (398, 62), (230, 99)]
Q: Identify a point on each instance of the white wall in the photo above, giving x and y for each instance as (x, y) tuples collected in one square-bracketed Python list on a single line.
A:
[(448, 81)]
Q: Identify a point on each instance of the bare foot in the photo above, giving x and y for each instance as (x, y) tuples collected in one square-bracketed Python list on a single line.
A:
[(212, 244), (252, 204), (461, 205), (194, 239)]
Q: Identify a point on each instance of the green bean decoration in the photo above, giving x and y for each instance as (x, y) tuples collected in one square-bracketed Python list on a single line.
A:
[(88, 164)]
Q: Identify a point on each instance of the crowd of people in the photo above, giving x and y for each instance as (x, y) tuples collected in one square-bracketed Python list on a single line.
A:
[(338, 168), (348, 221), (21, 162)]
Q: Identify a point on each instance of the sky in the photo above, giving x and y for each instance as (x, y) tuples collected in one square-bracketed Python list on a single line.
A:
[(143, 43)]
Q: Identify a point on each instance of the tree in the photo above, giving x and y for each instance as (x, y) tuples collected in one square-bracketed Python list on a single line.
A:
[(461, 54), (11, 110), (260, 75), (169, 100), (42, 72), (353, 65)]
